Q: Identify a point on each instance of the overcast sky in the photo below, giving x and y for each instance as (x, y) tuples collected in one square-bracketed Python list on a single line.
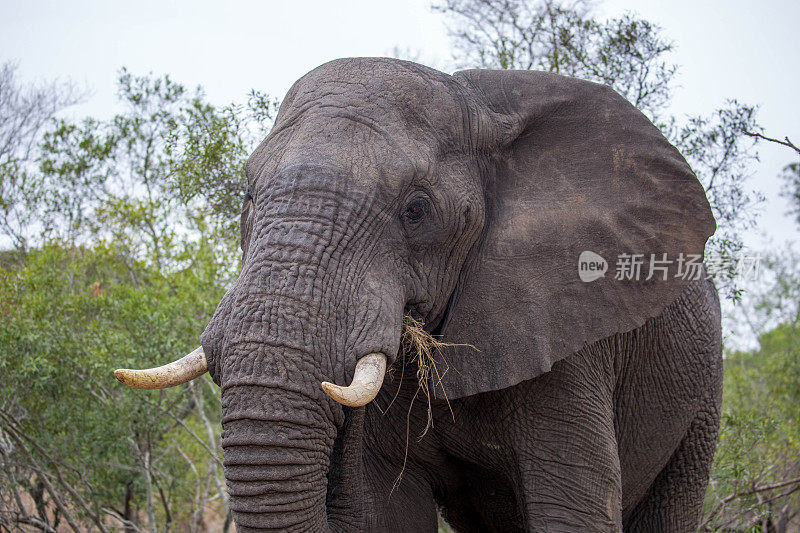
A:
[(727, 49)]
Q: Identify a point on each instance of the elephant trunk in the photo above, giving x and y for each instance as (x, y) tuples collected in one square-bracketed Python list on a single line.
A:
[(276, 466), (305, 310), (291, 454)]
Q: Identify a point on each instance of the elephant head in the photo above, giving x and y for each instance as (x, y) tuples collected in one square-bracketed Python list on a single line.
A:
[(386, 189)]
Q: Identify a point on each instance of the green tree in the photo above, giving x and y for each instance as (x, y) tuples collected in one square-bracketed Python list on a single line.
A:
[(25, 111), (791, 174), (78, 444), (755, 481), (210, 146), (169, 165), (133, 247)]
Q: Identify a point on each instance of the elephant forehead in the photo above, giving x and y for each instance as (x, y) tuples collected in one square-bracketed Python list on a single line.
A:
[(352, 149), (376, 120), (378, 83), (397, 95)]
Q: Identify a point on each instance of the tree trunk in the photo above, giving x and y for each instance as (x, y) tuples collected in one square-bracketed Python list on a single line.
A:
[(128, 515)]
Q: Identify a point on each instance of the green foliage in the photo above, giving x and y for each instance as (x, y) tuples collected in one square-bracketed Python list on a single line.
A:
[(210, 147), (24, 112), (755, 482), (129, 245), (720, 151), (170, 165), (70, 314), (627, 53)]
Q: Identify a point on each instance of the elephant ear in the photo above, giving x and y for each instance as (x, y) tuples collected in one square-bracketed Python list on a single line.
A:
[(575, 169)]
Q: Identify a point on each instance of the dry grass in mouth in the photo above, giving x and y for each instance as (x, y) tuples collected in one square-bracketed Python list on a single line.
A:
[(420, 347)]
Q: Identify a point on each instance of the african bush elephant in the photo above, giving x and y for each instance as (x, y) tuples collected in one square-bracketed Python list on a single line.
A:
[(387, 189)]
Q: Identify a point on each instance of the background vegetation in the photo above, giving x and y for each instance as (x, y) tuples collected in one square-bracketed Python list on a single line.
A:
[(123, 234)]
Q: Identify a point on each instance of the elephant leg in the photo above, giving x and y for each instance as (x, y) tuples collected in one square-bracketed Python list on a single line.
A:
[(570, 483), (553, 441), (568, 475), (674, 502), (404, 507)]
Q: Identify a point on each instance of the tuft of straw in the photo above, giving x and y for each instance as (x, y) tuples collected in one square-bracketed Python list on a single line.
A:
[(420, 347)]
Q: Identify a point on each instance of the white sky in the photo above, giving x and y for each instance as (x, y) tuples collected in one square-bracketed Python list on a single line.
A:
[(734, 48)]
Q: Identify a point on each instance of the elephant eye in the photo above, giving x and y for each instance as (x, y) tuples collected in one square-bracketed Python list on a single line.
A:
[(415, 210)]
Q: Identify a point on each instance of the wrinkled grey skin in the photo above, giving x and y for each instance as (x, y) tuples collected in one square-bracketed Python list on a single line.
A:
[(618, 435)]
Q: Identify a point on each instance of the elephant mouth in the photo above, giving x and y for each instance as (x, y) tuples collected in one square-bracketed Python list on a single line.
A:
[(415, 342), (258, 491), (367, 378), (426, 352)]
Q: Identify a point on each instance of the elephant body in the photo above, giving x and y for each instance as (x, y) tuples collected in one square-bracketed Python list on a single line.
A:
[(621, 433), (387, 189)]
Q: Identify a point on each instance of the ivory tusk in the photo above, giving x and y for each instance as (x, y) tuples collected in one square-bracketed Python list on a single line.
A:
[(184, 369), (367, 381)]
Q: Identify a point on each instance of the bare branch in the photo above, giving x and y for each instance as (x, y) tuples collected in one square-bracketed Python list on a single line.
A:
[(785, 142)]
